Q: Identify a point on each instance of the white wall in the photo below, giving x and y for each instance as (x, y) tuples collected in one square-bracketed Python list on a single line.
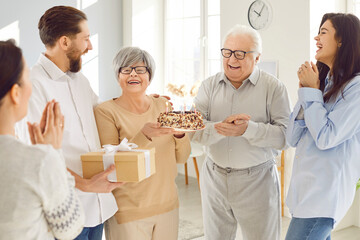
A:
[(105, 18), (352, 217)]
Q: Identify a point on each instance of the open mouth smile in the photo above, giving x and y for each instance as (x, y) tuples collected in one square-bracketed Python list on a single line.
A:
[(319, 46), (133, 82), (233, 67)]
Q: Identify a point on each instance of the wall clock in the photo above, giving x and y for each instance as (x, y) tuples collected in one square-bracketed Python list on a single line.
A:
[(259, 14)]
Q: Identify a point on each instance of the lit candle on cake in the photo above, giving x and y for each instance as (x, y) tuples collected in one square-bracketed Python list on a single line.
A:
[(167, 107), (184, 107), (194, 108)]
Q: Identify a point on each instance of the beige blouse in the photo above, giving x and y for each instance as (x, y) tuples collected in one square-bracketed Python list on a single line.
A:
[(158, 193)]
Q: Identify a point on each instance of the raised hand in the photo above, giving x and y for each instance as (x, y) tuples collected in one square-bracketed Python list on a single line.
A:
[(308, 75), (51, 127)]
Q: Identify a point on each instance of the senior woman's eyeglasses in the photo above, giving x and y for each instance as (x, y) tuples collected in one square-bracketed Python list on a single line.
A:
[(138, 70), (237, 53)]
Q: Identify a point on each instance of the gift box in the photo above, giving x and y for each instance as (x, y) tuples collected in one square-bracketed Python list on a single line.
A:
[(131, 166)]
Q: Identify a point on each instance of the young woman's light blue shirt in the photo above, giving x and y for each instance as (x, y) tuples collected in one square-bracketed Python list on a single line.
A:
[(327, 159)]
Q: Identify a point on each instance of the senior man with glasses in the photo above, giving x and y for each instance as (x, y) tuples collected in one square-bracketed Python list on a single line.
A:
[(246, 112)]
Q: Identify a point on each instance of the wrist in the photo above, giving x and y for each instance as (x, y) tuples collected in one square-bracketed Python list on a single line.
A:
[(81, 183), (314, 86), (149, 138)]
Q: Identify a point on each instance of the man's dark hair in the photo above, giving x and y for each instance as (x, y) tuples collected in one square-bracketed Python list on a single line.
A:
[(59, 21)]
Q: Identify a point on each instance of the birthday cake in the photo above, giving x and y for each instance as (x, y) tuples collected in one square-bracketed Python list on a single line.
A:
[(182, 120)]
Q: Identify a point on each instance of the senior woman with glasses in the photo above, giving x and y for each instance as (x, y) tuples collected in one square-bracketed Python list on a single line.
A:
[(148, 209)]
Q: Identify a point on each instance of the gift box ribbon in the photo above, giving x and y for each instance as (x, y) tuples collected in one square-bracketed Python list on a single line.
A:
[(109, 156)]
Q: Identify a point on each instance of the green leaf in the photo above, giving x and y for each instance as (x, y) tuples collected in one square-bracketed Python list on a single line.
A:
[(358, 185)]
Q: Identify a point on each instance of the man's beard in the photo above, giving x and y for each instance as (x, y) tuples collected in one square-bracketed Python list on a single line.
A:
[(75, 59)]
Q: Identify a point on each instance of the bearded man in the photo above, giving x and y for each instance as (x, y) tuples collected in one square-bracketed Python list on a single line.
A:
[(65, 34)]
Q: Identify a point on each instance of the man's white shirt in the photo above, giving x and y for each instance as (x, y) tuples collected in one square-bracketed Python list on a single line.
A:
[(77, 100)]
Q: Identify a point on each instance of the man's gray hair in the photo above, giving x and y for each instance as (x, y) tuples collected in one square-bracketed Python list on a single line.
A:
[(128, 56), (246, 30)]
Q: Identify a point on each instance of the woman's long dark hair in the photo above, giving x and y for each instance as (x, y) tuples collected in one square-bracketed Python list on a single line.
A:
[(11, 66), (347, 58)]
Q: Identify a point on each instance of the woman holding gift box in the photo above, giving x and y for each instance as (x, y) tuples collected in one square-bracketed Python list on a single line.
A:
[(148, 209), (38, 199)]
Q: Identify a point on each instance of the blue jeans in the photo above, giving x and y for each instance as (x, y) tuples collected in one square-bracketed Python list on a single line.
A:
[(310, 229), (91, 233)]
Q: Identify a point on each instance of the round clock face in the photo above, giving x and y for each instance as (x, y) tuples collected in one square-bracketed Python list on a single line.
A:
[(259, 14)]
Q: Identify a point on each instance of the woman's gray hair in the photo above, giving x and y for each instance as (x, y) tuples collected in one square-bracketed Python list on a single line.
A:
[(245, 30), (128, 56)]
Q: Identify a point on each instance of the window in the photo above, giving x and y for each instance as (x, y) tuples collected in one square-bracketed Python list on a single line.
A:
[(90, 64), (11, 31), (317, 10), (192, 41), (354, 7), (90, 61), (147, 32)]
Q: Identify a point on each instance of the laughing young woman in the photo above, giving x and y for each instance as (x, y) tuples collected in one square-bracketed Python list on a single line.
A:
[(325, 129)]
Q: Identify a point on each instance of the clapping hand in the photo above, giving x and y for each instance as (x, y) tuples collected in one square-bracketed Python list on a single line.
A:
[(234, 125), (308, 75), (51, 127), (237, 118)]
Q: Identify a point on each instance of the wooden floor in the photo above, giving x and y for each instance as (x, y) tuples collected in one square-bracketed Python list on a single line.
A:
[(190, 209)]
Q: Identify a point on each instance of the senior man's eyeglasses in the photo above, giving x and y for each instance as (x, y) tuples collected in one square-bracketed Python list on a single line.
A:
[(138, 70), (237, 53)]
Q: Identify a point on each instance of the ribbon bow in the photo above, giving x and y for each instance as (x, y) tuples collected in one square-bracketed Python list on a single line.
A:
[(123, 146), (110, 150)]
